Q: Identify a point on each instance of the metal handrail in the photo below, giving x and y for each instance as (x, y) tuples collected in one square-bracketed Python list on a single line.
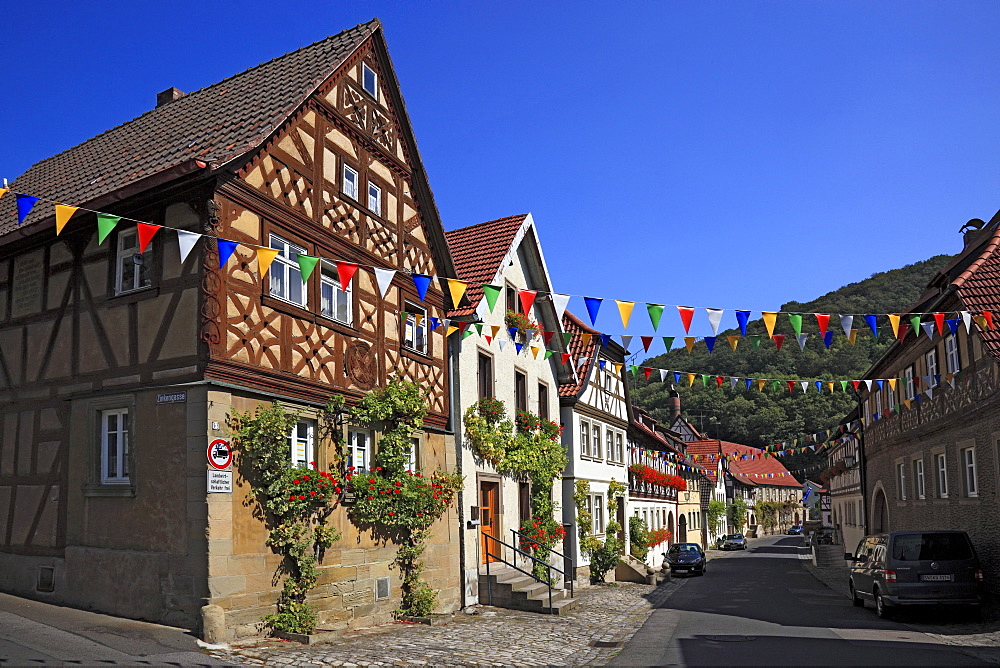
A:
[(516, 551), (567, 562)]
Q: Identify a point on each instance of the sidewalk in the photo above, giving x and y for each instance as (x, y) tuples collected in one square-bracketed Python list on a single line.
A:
[(592, 634), (978, 639)]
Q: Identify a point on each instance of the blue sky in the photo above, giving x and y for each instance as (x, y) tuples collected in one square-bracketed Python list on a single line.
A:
[(720, 154)]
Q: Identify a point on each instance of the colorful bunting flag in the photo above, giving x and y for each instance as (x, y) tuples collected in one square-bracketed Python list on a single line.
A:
[(306, 265), (145, 232), (846, 323), (655, 312), (105, 225), (646, 342), (421, 282), (795, 319), (686, 313), (778, 340), (894, 323), (742, 317), (689, 342), (186, 242), (491, 292), (527, 299), (770, 318), (668, 342), (872, 324), (63, 214), (265, 256), (25, 203), (593, 306), (559, 301), (822, 321), (733, 341), (710, 342), (226, 249), (714, 319), (625, 311), (384, 278), (456, 290), (939, 321)]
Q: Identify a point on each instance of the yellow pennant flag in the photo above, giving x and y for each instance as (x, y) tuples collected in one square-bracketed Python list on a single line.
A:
[(451, 330), (906, 402), (733, 341), (894, 321), (586, 339), (534, 351), (760, 384), (980, 320), (853, 337), (496, 329), (689, 342), (618, 368), (3, 190), (892, 384), (690, 379), (265, 256), (63, 214), (418, 318), (625, 311), (770, 317), (457, 289)]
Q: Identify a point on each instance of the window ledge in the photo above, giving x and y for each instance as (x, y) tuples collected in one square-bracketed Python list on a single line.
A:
[(291, 308), (98, 490), (132, 296), (414, 354)]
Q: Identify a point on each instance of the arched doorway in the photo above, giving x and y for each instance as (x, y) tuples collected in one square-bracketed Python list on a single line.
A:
[(880, 513), (682, 529), (671, 527)]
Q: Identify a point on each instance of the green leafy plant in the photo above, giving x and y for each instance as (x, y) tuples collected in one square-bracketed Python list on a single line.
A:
[(716, 511), (525, 326), (605, 558), (767, 514), (295, 505), (638, 537), (738, 514)]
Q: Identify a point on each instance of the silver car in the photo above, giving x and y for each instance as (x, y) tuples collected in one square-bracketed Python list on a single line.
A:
[(733, 541)]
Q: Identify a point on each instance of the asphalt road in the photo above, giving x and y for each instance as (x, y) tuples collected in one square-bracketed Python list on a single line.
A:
[(761, 607)]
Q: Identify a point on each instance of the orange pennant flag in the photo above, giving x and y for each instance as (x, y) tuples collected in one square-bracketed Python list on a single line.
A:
[(451, 330), (894, 321), (585, 337), (689, 342), (146, 233), (770, 317), (456, 288), (829, 386), (625, 311), (63, 214), (760, 384), (690, 377), (733, 341), (534, 351), (853, 337), (496, 329), (3, 190), (265, 256), (618, 368)]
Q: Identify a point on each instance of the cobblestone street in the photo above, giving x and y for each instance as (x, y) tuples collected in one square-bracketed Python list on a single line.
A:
[(496, 636)]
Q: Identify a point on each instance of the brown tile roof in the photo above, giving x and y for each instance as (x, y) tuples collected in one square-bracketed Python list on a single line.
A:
[(751, 471), (582, 355), (477, 251), (213, 125), (707, 447)]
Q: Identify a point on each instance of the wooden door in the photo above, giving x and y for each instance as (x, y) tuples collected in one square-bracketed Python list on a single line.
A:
[(489, 508)]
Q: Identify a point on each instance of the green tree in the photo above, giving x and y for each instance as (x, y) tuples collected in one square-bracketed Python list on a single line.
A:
[(738, 514), (716, 511)]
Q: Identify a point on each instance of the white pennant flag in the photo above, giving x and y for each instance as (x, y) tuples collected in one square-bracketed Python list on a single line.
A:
[(384, 279), (714, 318), (802, 341), (560, 302), (501, 342), (626, 341), (186, 241), (868, 384), (928, 329), (663, 375), (967, 319), (847, 321), (732, 383), (929, 392), (805, 386)]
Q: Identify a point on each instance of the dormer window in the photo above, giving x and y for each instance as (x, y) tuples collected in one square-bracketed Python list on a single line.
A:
[(369, 80)]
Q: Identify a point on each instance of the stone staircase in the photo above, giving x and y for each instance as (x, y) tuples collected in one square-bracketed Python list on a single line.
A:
[(514, 590), (829, 556), (630, 569)]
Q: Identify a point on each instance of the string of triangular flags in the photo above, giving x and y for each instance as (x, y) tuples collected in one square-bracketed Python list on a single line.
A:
[(106, 223)]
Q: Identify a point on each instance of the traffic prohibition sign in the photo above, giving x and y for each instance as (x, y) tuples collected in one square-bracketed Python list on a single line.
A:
[(220, 454)]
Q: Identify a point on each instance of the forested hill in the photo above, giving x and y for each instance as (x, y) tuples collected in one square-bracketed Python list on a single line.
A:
[(763, 418)]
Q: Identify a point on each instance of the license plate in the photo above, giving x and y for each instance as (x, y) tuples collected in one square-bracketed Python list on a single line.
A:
[(681, 570), (935, 578)]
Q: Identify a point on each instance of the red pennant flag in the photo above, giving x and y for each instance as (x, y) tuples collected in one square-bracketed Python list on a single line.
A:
[(461, 323), (686, 313), (856, 384), (565, 358), (988, 315), (778, 340), (146, 234), (547, 336), (822, 319), (527, 299), (791, 386), (646, 342), (916, 381), (939, 319), (904, 329), (345, 272), (646, 370), (489, 339), (718, 381)]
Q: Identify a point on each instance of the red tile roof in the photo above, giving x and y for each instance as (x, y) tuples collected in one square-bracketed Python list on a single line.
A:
[(477, 251), (979, 288), (702, 448), (752, 471), (581, 355), (213, 125)]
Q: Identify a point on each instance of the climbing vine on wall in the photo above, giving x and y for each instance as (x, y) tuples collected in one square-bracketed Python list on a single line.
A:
[(603, 556)]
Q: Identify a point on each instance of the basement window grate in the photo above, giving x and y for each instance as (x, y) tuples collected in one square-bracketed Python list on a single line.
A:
[(46, 579), (381, 588)]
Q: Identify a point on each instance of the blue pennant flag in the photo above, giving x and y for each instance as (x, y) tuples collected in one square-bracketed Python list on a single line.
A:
[(880, 383), (710, 342), (953, 324), (519, 346), (677, 377), (742, 317), (24, 205), (828, 339), (601, 363), (819, 386), (513, 334), (605, 340), (593, 305), (422, 282), (872, 321), (749, 382), (226, 250), (434, 322)]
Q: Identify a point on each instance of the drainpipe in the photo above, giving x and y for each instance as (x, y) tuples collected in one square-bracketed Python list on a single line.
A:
[(456, 428)]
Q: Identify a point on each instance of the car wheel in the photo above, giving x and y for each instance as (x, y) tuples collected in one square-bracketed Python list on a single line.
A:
[(881, 609), (855, 599)]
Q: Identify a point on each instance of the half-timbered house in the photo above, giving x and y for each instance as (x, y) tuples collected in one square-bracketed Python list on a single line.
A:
[(119, 364), (651, 498)]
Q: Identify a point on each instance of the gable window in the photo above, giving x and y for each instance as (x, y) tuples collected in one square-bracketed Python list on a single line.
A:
[(520, 391), (969, 472), (584, 438), (597, 440), (908, 390), (415, 328), (114, 447), (951, 354), (359, 448), (543, 401), (941, 464), (375, 199), (335, 303), (131, 270), (485, 376), (349, 183), (369, 80), (919, 489), (284, 275), (303, 447)]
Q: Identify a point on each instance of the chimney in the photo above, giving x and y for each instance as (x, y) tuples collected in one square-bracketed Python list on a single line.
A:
[(675, 405), (168, 96)]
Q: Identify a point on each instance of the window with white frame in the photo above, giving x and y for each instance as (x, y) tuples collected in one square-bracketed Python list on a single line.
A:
[(349, 182), (930, 360), (131, 268), (584, 438), (302, 444), (335, 302), (284, 275), (411, 453), (609, 444), (359, 445), (901, 482), (596, 442), (369, 80), (415, 328), (909, 391), (969, 472), (951, 354), (114, 447), (878, 402), (598, 513), (941, 466), (619, 449), (919, 488), (375, 199)]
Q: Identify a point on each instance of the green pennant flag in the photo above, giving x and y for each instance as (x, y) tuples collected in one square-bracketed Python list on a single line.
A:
[(548, 353), (306, 265), (655, 311), (755, 340), (479, 328), (105, 224), (567, 337), (796, 320), (668, 341), (467, 333), (843, 386), (704, 380), (915, 324), (633, 369), (491, 292), (776, 385)]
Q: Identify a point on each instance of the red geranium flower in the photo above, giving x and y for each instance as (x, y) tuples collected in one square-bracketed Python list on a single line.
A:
[(296, 482), (312, 493), (302, 498)]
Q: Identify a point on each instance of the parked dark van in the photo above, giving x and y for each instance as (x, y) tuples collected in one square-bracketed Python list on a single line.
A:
[(906, 568)]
